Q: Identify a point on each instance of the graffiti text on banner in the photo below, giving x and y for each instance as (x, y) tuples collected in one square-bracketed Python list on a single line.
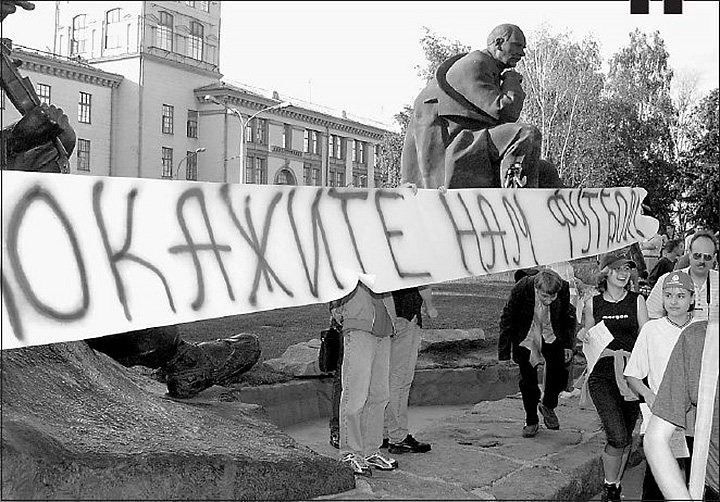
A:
[(88, 256)]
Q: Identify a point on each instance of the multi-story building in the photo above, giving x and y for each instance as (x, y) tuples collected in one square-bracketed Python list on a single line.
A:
[(160, 109)]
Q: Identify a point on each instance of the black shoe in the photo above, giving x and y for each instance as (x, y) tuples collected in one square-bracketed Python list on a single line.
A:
[(549, 417), (611, 493), (385, 444), (409, 445), (335, 439), (530, 431)]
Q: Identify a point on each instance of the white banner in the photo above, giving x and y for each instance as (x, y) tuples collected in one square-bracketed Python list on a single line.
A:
[(86, 256)]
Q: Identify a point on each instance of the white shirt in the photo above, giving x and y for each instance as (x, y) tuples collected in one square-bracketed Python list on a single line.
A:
[(652, 350), (654, 301)]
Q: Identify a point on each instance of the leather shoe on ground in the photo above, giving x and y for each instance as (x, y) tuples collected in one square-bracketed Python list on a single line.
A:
[(530, 431), (549, 417), (409, 445)]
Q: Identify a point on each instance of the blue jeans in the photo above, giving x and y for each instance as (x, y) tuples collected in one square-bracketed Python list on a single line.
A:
[(618, 416)]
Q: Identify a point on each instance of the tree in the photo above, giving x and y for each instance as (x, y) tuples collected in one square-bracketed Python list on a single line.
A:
[(563, 82), (699, 166), (633, 141), (437, 49), (684, 96), (391, 148)]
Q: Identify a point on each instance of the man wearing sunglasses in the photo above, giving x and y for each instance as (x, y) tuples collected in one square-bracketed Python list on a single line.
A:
[(702, 252)]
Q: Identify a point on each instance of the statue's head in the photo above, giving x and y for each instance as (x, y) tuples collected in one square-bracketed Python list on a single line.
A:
[(506, 43)]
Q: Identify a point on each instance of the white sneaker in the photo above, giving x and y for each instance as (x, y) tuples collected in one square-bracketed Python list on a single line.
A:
[(358, 464), (381, 462)]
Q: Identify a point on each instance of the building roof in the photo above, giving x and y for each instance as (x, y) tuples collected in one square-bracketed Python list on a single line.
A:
[(61, 66), (251, 96)]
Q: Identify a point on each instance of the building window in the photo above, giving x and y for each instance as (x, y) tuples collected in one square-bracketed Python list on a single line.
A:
[(43, 92), (84, 108), (331, 147), (192, 124), (165, 31), (258, 128), (317, 180), (361, 151), (306, 141), (287, 137), (336, 147), (353, 150), (315, 137), (360, 179), (112, 29), (256, 170), (167, 119), (249, 133), (83, 154), (195, 42), (203, 6), (311, 174), (191, 166), (167, 162), (336, 178), (190, 3), (285, 177), (376, 160), (79, 34)]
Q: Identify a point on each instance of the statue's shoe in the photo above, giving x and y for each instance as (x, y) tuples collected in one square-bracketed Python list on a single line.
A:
[(190, 371), (197, 367), (232, 356)]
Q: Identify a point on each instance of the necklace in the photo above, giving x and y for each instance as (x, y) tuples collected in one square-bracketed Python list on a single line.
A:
[(687, 321), (612, 299)]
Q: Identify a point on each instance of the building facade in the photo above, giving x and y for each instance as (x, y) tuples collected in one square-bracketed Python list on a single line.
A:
[(160, 108)]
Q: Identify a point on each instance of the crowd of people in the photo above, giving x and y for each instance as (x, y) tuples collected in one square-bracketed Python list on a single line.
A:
[(643, 370)]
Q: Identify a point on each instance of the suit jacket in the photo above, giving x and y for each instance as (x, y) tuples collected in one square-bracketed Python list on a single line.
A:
[(518, 313)]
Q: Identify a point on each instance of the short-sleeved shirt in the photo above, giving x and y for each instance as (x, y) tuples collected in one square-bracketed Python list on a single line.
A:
[(676, 400), (652, 350)]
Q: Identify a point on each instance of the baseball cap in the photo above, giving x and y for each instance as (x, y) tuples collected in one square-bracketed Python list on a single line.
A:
[(615, 259), (678, 280)]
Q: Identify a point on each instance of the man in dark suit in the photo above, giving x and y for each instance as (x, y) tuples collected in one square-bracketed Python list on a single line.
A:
[(538, 322), (464, 131)]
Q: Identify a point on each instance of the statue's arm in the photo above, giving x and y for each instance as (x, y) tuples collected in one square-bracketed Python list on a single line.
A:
[(477, 80)]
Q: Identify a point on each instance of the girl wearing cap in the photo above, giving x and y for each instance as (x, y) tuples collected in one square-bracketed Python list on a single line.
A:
[(650, 356), (623, 313)]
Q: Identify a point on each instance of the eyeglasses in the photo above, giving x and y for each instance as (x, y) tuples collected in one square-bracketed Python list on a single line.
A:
[(703, 256)]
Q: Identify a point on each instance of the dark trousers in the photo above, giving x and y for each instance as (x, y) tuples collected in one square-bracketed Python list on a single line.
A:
[(617, 415), (337, 393), (556, 376)]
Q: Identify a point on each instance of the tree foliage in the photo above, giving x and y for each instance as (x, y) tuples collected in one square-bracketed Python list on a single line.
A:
[(437, 49), (563, 81), (699, 166), (391, 148)]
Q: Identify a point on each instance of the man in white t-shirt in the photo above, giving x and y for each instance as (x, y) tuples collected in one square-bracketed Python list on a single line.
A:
[(702, 252)]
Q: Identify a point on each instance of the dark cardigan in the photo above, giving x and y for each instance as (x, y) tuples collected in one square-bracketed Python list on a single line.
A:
[(518, 313)]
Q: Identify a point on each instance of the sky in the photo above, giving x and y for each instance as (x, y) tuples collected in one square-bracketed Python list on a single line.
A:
[(362, 56)]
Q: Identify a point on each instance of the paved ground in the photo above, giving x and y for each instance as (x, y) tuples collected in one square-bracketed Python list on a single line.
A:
[(479, 454)]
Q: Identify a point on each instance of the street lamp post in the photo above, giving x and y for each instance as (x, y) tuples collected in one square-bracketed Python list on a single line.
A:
[(243, 125), (177, 169)]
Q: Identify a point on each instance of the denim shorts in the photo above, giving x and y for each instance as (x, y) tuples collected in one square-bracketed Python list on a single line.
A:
[(618, 416)]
